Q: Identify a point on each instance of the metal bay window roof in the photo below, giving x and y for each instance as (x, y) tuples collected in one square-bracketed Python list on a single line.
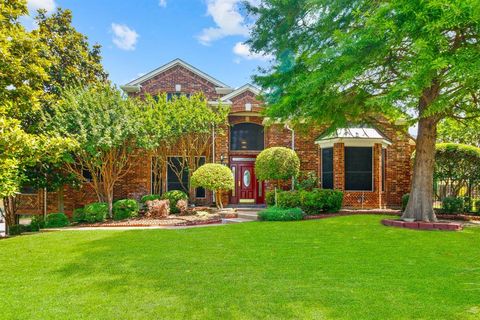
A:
[(353, 137)]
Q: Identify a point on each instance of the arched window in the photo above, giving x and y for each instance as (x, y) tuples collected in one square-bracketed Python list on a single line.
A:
[(246, 136)]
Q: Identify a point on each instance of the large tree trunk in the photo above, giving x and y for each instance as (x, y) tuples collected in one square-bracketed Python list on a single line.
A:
[(420, 203), (10, 208)]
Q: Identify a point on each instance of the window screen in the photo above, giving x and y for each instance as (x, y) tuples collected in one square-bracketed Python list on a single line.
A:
[(358, 168), (246, 136), (177, 175), (327, 168), (200, 192)]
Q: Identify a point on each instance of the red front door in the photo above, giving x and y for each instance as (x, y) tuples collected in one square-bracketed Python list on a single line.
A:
[(247, 189)]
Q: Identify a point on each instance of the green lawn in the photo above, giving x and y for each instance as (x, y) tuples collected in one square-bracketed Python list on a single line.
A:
[(339, 268)]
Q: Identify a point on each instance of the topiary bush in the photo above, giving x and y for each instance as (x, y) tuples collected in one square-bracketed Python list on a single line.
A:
[(405, 198), (214, 177), (79, 215), (56, 220), (277, 163), (96, 212), (281, 214), (173, 197), (453, 205), (125, 208), (149, 197)]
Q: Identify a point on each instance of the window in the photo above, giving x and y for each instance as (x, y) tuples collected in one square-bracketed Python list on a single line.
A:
[(358, 168), (87, 175), (170, 95), (246, 136), (26, 189), (327, 168), (177, 174), (200, 192), (384, 167)]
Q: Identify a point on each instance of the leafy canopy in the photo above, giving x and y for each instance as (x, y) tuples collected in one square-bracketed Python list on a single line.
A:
[(277, 163), (213, 176)]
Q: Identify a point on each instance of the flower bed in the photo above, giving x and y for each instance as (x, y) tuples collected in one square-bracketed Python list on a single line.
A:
[(169, 221)]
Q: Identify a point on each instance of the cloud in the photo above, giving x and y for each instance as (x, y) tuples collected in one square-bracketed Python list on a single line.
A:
[(124, 37), (34, 5), (162, 3), (244, 51), (228, 20)]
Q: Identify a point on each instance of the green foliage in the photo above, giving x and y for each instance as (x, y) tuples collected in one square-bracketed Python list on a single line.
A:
[(270, 198), (277, 163), (125, 208), (405, 199), (306, 181), (465, 132), (173, 197), (453, 205), (56, 220), (311, 202), (96, 212), (281, 214), (476, 210), (79, 215), (213, 176), (37, 222), (16, 229), (149, 197)]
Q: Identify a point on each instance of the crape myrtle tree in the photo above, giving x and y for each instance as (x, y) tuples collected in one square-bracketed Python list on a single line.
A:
[(340, 61), (187, 124), (108, 130)]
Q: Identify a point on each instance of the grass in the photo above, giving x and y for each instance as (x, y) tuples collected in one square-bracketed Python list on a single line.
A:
[(340, 268)]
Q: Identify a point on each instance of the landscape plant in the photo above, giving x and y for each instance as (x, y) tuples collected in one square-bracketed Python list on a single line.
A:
[(173, 197), (337, 62), (281, 214), (96, 212), (214, 177), (56, 220), (125, 208)]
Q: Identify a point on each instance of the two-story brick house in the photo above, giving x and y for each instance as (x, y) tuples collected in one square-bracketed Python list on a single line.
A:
[(371, 165)]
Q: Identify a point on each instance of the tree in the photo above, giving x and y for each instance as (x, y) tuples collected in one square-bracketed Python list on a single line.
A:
[(214, 177), (465, 132), (108, 130), (276, 164), (340, 61)]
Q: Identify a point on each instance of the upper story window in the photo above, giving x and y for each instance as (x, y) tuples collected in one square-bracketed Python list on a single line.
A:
[(358, 168), (247, 136), (171, 95)]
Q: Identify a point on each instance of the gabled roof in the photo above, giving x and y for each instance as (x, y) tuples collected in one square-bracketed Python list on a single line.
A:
[(171, 64), (242, 89), (369, 135)]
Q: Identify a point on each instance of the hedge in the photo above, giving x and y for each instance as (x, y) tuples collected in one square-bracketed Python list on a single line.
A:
[(311, 202), (96, 212), (281, 214), (56, 220)]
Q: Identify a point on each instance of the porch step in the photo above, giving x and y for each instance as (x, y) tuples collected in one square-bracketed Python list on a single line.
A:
[(248, 215)]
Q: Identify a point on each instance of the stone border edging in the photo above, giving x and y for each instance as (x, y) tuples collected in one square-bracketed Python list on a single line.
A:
[(123, 225), (444, 226)]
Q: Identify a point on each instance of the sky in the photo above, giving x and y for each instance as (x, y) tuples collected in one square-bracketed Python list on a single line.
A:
[(139, 36)]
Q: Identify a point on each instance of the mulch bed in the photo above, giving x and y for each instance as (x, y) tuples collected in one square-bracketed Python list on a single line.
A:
[(174, 221)]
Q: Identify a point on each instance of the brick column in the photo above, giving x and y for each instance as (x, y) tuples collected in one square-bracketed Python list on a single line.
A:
[(377, 172), (339, 166)]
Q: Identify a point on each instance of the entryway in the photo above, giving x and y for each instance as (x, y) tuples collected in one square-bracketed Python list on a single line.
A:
[(248, 190)]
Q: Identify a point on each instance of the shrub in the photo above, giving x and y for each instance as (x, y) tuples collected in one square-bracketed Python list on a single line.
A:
[(157, 208), (79, 215), (476, 202), (37, 223), (453, 205), (288, 199), (307, 181), (214, 177), (173, 197), (125, 208), (270, 198), (96, 212), (405, 198), (468, 204), (277, 163), (281, 214), (149, 197), (16, 229), (56, 220), (182, 206), (321, 200)]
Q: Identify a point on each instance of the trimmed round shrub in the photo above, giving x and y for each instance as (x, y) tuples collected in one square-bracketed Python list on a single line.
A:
[(277, 163), (173, 197), (79, 215), (214, 177), (281, 214), (124, 209), (150, 197), (405, 198), (56, 220), (96, 212), (453, 205)]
